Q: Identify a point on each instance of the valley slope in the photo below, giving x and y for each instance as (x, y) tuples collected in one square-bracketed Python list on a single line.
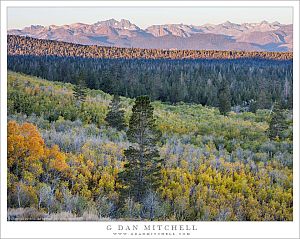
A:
[(217, 167)]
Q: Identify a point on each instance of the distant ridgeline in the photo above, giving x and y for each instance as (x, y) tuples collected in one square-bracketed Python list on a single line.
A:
[(19, 45), (255, 79)]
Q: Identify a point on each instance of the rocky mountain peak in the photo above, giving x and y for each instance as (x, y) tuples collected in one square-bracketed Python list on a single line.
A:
[(246, 36)]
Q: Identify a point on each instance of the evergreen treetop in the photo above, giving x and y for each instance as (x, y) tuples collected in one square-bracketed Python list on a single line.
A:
[(224, 97), (80, 90), (115, 115), (277, 123)]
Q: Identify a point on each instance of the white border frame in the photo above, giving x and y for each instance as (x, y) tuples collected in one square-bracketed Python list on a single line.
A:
[(98, 229)]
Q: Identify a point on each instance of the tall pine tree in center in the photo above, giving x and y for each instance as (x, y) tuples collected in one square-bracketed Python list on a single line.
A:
[(224, 97), (141, 174), (278, 123), (79, 90)]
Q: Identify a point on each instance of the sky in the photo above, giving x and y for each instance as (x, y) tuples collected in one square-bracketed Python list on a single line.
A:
[(19, 17)]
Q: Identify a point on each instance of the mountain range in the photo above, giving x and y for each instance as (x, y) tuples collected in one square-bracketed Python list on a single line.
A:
[(263, 36)]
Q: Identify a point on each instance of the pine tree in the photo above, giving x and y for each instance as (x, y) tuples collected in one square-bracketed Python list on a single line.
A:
[(224, 97), (142, 170), (80, 88), (277, 123), (115, 115)]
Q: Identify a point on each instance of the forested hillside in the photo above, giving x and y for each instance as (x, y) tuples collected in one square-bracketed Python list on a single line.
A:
[(19, 45), (250, 80), (67, 157), (253, 84)]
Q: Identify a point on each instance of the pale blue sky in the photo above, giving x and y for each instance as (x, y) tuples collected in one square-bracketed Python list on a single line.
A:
[(144, 17)]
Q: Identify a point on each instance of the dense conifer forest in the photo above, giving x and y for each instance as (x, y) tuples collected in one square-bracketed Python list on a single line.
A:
[(254, 79), (252, 83)]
